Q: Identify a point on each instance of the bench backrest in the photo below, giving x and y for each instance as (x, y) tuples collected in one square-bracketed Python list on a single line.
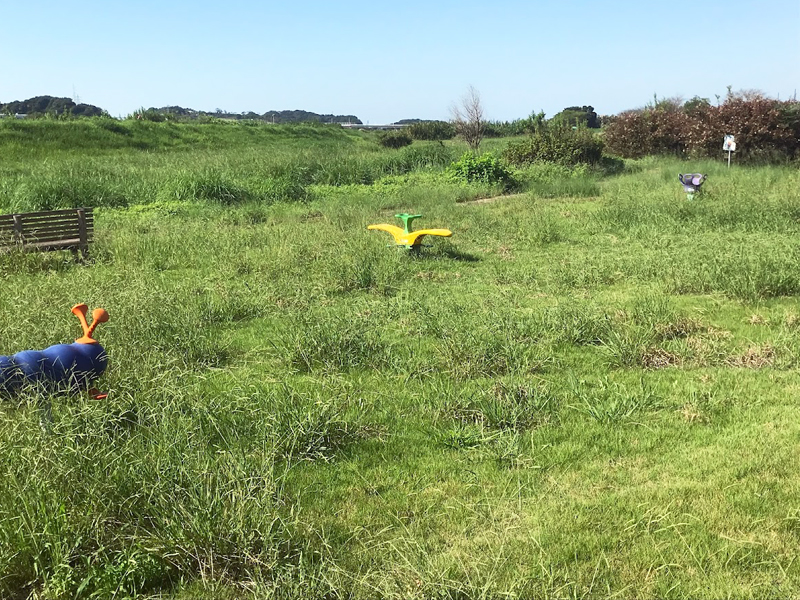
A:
[(70, 229)]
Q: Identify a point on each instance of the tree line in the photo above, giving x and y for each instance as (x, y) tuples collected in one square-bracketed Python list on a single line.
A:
[(271, 116), (50, 105)]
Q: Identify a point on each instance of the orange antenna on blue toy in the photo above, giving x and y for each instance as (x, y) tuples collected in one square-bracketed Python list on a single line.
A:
[(99, 315)]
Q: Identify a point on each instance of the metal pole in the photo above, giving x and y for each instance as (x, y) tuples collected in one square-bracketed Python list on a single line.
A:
[(729, 159)]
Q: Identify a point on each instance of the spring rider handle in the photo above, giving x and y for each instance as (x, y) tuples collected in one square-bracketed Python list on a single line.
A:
[(405, 238)]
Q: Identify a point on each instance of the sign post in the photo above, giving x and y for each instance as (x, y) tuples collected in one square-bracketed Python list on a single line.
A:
[(729, 144)]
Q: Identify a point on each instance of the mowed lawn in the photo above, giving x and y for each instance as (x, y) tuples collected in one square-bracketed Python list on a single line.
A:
[(590, 390)]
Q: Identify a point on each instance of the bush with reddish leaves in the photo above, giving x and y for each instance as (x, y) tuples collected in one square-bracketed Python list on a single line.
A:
[(766, 130)]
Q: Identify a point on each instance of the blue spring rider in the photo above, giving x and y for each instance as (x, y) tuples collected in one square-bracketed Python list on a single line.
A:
[(61, 367)]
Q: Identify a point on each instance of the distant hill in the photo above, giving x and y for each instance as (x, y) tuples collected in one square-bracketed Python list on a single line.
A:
[(41, 105), (271, 116)]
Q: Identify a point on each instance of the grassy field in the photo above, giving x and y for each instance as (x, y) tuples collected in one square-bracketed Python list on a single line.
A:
[(589, 391)]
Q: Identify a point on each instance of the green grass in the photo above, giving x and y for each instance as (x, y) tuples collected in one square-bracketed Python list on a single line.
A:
[(49, 164), (590, 390)]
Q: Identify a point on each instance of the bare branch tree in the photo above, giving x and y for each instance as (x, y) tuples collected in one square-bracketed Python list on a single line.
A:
[(467, 117)]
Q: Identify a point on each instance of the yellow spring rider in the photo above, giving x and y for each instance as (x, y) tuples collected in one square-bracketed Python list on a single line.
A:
[(411, 240)]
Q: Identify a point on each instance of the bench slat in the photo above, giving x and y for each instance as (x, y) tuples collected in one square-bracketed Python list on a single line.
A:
[(30, 235), (55, 214), (54, 245), (59, 215), (48, 213), (43, 246), (38, 222), (43, 223), (71, 223), (49, 238), (54, 229)]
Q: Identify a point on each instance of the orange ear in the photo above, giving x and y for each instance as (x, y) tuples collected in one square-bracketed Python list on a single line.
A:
[(80, 310), (99, 315)]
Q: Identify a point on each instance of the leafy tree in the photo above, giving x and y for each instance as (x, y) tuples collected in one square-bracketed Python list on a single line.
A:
[(87, 110), (695, 105), (49, 105), (577, 116)]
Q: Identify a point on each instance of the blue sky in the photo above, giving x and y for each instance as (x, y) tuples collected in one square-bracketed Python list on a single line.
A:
[(384, 62)]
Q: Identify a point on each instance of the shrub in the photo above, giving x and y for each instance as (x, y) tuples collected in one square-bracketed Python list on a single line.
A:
[(759, 124), (432, 130), (149, 114), (486, 168), (765, 129), (659, 129), (395, 139), (557, 145), (629, 135)]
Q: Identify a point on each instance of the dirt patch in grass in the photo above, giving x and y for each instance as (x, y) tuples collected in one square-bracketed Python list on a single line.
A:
[(756, 357), (658, 358), (678, 329)]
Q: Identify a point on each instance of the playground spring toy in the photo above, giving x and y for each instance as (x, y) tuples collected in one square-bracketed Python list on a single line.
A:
[(63, 366), (691, 183), (405, 238)]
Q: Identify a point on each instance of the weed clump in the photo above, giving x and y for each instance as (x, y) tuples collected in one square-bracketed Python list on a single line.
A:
[(610, 403), (338, 344), (486, 169), (505, 407)]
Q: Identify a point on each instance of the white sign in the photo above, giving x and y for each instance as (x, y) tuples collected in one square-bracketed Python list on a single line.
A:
[(729, 145)]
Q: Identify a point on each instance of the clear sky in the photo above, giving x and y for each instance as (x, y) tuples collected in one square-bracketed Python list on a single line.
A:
[(388, 61)]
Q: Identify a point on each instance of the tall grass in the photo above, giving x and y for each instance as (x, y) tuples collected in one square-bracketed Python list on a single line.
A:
[(577, 395), (92, 163)]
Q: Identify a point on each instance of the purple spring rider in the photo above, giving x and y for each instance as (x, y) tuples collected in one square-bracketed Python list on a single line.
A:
[(691, 183)]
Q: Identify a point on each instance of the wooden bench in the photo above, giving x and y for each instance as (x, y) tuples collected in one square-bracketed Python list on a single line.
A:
[(70, 229)]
